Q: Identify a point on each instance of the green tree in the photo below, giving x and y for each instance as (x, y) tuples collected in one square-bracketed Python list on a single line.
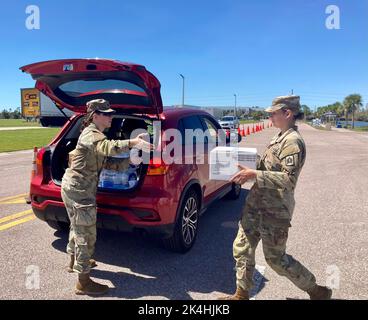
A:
[(306, 110), (5, 114), (352, 103), (17, 114)]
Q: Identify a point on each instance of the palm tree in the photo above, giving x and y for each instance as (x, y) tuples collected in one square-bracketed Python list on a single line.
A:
[(340, 109), (353, 103)]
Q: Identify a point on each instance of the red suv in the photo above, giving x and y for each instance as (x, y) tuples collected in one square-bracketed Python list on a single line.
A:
[(167, 199)]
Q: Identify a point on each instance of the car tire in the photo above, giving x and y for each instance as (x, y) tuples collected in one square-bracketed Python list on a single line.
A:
[(235, 192), (57, 225), (186, 227)]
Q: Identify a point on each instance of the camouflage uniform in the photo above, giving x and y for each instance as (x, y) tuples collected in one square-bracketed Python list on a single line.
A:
[(79, 187), (268, 212)]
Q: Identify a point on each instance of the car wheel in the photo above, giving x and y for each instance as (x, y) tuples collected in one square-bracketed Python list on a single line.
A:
[(235, 192), (186, 228), (57, 225)]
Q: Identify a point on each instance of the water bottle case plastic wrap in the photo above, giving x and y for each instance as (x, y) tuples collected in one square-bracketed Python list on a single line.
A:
[(118, 173)]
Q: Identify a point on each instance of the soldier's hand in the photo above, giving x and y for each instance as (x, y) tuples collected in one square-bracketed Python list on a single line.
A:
[(140, 143), (245, 174), (144, 136)]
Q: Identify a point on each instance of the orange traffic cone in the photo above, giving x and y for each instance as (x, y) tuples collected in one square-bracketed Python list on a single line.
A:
[(263, 127), (243, 132), (253, 129), (248, 131), (33, 172)]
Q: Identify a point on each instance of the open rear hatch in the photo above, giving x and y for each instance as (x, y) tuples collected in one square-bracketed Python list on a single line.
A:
[(129, 88)]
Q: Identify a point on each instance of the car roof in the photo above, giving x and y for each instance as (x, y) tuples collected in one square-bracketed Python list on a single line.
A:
[(171, 115), (172, 112)]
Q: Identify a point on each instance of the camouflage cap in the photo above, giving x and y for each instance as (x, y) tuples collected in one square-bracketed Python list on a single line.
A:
[(99, 105), (285, 102)]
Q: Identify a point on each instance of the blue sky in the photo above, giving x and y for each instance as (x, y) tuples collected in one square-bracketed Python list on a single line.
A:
[(256, 49)]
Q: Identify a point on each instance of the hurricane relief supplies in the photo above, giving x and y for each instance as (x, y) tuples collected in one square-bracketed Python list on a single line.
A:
[(224, 161), (118, 173)]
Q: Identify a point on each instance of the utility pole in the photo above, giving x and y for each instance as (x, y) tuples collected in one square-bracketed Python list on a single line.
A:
[(235, 105), (182, 98)]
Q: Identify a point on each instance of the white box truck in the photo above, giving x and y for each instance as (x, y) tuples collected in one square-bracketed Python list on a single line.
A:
[(50, 114), (36, 105)]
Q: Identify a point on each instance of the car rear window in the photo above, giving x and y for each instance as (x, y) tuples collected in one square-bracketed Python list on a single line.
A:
[(80, 87), (119, 87), (191, 123)]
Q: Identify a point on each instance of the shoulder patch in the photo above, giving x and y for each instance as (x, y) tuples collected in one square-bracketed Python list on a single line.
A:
[(289, 160)]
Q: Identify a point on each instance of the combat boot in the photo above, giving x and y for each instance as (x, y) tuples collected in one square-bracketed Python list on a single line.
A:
[(320, 293), (240, 294), (92, 264), (86, 286)]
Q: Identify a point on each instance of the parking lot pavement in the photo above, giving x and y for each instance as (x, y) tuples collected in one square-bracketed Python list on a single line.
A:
[(328, 234)]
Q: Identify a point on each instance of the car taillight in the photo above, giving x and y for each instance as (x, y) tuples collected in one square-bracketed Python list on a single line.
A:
[(157, 167), (37, 169)]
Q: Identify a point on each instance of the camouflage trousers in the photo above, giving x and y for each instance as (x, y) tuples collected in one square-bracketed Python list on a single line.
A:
[(82, 234), (254, 227)]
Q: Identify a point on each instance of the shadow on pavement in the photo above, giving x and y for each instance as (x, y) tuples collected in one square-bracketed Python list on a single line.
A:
[(148, 270)]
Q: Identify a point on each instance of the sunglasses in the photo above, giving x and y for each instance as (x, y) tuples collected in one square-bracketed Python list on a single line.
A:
[(104, 114), (277, 112)]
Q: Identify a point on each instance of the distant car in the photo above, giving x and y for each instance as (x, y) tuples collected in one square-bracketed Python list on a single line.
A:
[(229, 122)]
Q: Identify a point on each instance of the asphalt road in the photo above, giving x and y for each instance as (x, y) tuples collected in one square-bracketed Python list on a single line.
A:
[(329, 234)]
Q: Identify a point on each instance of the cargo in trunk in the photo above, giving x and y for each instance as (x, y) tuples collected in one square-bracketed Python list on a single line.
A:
[(118, 172)]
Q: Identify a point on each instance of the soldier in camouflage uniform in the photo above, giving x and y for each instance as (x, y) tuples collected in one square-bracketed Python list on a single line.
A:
[(270, 204), (79, 187)]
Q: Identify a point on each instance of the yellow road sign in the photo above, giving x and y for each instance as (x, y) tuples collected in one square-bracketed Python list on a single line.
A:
[(30, 98)]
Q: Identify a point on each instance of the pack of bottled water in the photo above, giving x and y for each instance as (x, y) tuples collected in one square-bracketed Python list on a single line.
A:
[(120, 180)]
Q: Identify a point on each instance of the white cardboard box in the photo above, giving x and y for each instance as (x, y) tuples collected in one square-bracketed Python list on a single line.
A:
[(224, 161)]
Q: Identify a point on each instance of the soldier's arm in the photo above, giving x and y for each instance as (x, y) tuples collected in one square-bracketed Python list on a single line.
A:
[(110, 148), (291, 162)]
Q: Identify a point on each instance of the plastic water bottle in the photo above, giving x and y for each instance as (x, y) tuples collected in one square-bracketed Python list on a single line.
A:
[(102, 179), (124, 179), (108, 181), (132, 179)]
